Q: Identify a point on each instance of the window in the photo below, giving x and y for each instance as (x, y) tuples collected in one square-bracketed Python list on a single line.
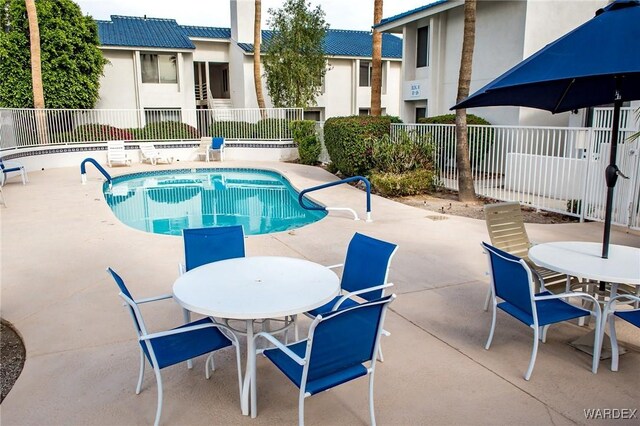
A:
[(156, 115), (225, 80), (365, 73), (159, 68), (364, 111), (422, 54)]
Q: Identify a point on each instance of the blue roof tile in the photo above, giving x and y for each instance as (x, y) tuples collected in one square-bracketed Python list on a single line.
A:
[(410, 12), (206, 32), (346, 43), (131, 31), (143, 32)]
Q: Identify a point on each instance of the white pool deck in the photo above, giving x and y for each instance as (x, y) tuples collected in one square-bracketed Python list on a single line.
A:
[(58, 237)]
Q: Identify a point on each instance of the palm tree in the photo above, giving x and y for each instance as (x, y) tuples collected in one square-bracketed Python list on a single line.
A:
[(376, 56), (466, 191), (257, 39), (36, 71)]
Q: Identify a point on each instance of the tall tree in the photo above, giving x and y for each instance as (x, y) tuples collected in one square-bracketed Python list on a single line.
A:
[(257, 41), (466, 191), (34, 42), (71, 62), (376, 62), (294, 60)]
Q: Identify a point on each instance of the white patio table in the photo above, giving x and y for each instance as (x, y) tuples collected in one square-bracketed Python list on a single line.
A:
[(254, 288), (583, 260)]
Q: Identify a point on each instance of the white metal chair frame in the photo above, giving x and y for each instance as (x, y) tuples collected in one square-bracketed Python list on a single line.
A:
[(540, 333), (608, 317), (116, 154), (144, 336), (152, 155), (304, 362), (11, 164)]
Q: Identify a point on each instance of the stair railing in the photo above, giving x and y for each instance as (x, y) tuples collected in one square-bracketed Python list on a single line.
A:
[(330, 184), (83, 170)]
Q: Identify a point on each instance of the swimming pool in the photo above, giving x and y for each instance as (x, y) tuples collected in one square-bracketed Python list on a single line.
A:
[(166, 202)]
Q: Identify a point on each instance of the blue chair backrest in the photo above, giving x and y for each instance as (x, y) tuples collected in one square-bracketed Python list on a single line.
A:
[(510, 278), (346, 338), (366, 264), (217, 142), (207, 245), (124, 290)]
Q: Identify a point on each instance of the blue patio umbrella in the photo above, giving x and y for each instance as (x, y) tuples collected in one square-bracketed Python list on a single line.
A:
[(597, 63)]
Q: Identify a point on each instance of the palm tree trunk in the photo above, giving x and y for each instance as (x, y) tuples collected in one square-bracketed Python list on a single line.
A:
[(257, 41), (466, 191), (36, 71), (376, 74)]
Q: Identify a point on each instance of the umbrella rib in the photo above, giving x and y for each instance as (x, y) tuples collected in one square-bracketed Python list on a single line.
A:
[(564, 94)]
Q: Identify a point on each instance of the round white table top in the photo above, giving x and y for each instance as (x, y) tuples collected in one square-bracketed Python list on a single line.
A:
[(256, 287), (582, 259)]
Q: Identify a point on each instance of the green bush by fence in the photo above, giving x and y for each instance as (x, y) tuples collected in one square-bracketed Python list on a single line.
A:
[(413, 182), (479, 138), (166, 130), (349, 141), (232, 129), (304, 135)]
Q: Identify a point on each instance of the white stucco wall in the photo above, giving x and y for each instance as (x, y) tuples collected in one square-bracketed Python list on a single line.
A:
[(211, 51), (118, 85)]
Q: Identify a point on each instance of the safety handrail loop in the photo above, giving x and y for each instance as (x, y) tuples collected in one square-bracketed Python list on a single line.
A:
[(339, 182), (83, 170)]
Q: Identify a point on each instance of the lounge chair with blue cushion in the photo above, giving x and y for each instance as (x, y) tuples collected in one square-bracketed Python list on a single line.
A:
[(513, 282), (12, 167), (167, 348), (341, 347)]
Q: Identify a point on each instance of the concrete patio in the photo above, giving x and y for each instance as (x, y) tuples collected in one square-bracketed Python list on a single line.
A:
[(58, 236)]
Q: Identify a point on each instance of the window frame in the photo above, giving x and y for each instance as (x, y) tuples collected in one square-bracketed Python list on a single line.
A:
[(156, 75), (369, 64)]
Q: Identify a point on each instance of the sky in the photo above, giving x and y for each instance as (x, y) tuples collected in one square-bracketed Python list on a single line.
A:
[(340, 14)]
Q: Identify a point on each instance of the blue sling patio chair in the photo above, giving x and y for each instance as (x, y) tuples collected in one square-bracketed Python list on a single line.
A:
[(610, 314), (217, 144), (339, 345), (167, 348), (365, 273), (12, 167), (208, 245), (512, 281)]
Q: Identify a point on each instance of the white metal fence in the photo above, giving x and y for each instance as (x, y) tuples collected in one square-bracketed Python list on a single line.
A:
[(549, 168), (29, 127)]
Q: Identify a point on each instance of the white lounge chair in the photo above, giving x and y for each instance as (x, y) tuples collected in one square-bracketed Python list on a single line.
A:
[(116, 154), (152, 155)]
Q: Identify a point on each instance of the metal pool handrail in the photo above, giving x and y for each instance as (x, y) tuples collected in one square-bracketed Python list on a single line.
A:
[(83, 170), (327, 185)]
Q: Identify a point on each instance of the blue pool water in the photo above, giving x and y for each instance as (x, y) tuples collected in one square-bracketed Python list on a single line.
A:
[(166, 202)]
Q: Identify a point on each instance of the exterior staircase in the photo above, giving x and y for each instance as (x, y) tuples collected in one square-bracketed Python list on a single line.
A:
[(222, 109)]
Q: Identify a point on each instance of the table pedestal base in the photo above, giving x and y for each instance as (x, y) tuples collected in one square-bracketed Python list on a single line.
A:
[(585, 344)]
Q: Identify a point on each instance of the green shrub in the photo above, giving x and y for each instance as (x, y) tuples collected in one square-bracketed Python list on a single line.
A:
[(479, 138), (304, 135), (412, 182), (451, 119), (406, 153), (349, 141), (99, 132), (167, 130), (232, 129), (272, 128)]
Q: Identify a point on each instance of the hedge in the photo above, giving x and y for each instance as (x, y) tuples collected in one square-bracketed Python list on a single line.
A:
[(304, 135), (349, 141)]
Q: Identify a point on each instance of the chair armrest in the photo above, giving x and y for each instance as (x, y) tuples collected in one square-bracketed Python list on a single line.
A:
[(335, 266), (182, 268), (12, 164), (189, 329), (358, 292), (572, 294), (609, 307), (154, 299), (280, 346)]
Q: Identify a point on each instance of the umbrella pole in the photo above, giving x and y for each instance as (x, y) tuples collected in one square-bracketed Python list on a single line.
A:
[(611, 175)]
